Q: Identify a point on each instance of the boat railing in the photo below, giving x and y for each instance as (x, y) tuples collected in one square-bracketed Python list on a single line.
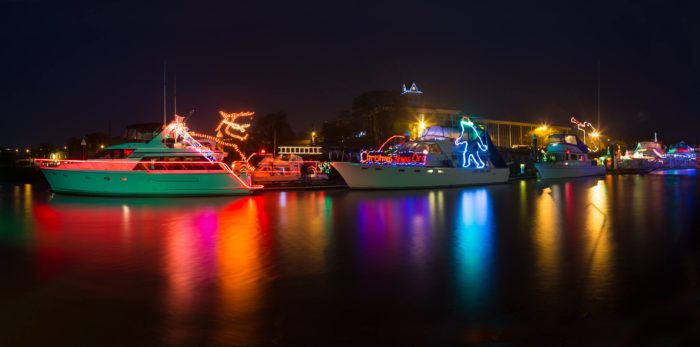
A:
[(155, 166), (141, 165)]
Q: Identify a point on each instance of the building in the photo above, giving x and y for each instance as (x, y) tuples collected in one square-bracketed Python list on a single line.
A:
[(506, 134), (509, 134)]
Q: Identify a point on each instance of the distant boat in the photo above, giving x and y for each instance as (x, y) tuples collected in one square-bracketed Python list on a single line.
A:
[(442, 157), (680, 156), (291, 169), (681, 150), (566, 157), (171, 164)]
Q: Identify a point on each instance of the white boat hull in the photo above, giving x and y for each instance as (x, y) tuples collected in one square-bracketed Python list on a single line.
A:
[(363, 176), (142, 183), (573, 169)]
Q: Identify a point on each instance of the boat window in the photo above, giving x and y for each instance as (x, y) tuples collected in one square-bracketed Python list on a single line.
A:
[(174, 163), (103, 154), (434, 148), (420, 148)]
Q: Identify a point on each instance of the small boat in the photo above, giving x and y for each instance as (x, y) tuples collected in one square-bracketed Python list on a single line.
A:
[(680, 156), (646, 157), (173, 163), (287, 169), (648, 150), (565, 157), (442, 157)]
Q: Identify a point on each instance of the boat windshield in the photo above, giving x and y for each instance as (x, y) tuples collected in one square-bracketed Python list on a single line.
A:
[(570, 139), (420, 147)]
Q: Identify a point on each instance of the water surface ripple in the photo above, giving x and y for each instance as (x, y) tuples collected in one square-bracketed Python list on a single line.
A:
[(605, 260)]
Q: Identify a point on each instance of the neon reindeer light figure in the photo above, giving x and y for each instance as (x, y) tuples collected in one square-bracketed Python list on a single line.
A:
[(469, 158)]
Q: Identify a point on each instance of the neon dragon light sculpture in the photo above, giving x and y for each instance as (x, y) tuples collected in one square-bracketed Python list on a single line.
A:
[(469, 158), (231, 128)]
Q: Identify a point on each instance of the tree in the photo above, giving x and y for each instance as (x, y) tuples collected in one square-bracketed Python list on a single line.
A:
[(375, 114), (270, 130)]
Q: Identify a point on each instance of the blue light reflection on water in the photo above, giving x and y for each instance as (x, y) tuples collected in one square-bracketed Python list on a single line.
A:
[(473, 249), (288, 268)]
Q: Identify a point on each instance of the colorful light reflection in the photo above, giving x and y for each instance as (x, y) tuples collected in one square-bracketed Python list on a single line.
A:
[(474, 249)]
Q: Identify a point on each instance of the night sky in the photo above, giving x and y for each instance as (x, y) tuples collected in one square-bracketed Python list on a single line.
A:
[(67, 70)]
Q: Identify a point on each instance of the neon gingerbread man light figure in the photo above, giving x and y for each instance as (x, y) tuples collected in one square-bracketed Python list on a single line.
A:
[(469, 158)]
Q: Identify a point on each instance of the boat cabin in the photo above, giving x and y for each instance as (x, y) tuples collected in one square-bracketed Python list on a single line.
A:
[(565, 147)]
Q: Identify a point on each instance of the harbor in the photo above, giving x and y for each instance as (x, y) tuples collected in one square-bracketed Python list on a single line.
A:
[(412, 173), (234, 158)]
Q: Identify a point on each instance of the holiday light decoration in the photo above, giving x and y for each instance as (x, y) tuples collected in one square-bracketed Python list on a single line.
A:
[(323, 167), (220, 142), (229, 125), (392, 156), (412, 89), (581, 126), (179, 129), (389, 139), (229, 121), (469, 158)]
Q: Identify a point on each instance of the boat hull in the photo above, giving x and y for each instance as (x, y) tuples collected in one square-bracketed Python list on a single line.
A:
[(557, 170), (362, 176), (142, 183)]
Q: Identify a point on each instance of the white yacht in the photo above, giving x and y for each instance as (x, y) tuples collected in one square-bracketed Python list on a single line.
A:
[(172, 164), (442, 157), (566, 156)]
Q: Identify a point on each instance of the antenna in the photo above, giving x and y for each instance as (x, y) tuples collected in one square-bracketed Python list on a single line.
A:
[(165, 88), (175, 93), (598, 106)]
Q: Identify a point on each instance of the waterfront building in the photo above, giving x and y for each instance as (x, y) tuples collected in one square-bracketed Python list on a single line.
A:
[(504, 133)]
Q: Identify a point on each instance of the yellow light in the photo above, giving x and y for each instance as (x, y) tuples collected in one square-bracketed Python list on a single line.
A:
[(27, 150), (102, 146), (543, 127), (313, 133), (595, 134), (229, 120), (421, 125)]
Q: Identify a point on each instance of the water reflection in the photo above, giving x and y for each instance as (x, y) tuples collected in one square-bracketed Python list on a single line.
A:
[(599, 263), (242, 270), (272, 267), (388, 228), (305, 217), (547, 230), (474, 249), (189, 261)]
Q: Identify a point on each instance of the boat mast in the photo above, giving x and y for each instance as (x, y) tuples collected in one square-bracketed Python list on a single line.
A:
[(598, 106), (165, 96), (175, 93)]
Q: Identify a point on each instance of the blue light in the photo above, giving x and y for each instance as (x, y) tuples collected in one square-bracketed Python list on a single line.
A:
[(469, 158), (474, 250)]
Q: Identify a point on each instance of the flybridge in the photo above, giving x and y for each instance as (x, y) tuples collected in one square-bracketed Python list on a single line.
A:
[(180, 130)]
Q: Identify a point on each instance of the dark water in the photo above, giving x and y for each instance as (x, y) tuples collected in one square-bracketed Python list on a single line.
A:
[(589, 261)]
